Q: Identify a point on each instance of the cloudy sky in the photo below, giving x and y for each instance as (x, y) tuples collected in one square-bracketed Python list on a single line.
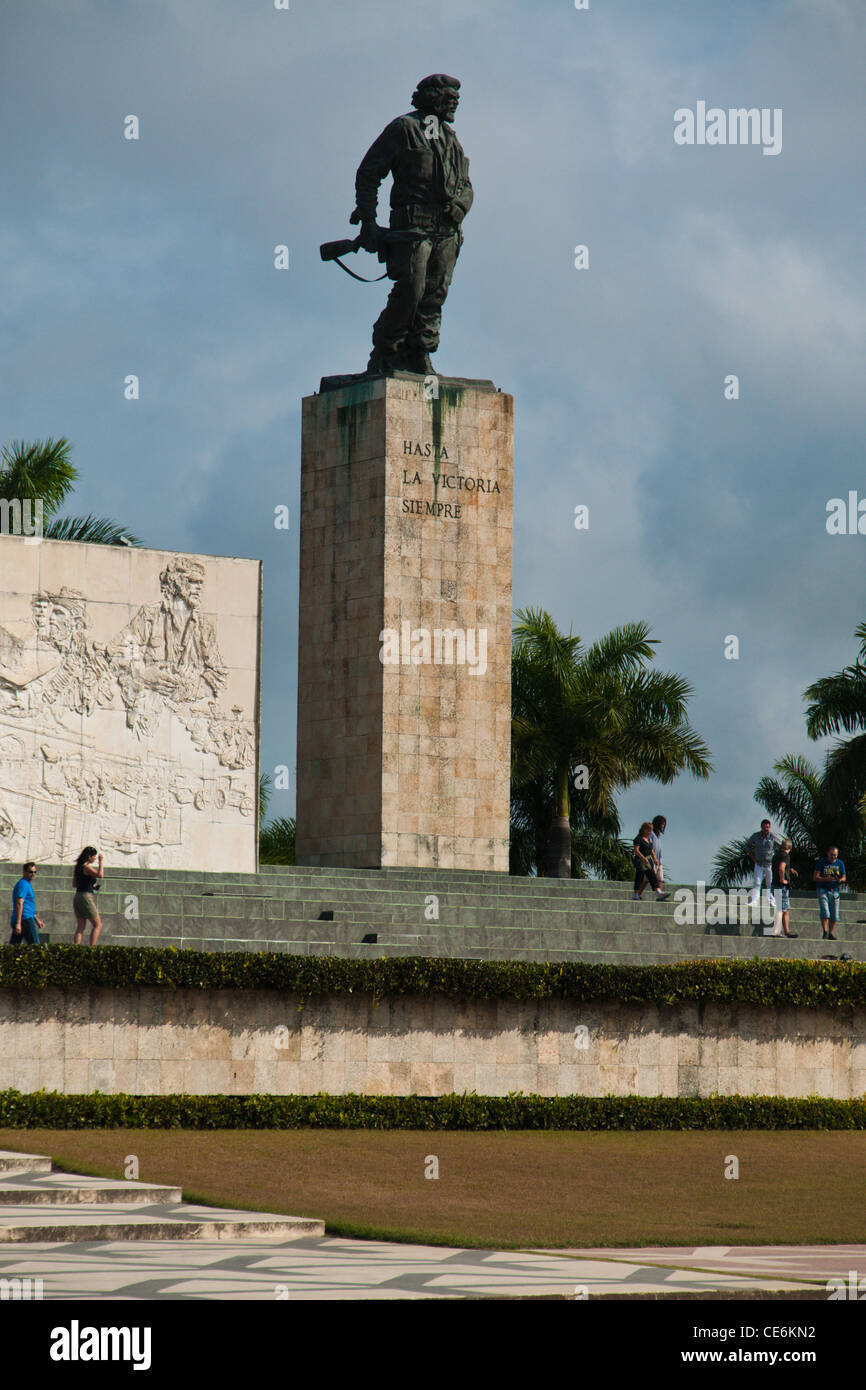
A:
[(707, 516)]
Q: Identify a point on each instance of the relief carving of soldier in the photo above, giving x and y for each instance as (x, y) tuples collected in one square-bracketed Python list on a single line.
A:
[(84, 679), (168, 650), (63, 670), (166, 660)]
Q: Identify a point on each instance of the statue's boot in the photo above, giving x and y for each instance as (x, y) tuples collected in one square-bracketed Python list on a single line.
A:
[(382, 363), (417, 360)]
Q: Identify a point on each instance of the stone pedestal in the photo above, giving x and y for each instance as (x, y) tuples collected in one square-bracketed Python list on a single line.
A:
[(404, 664)]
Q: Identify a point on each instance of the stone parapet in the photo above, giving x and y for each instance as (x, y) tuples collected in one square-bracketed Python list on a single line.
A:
[(160, 1042)]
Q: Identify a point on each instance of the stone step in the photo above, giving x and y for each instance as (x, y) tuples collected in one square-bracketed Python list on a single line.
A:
[(639, 950), (287, 878), (56, 1224), (327, 879), (481, 916), (302, 901), (160, 915), (670, 948), (13, 1163), (604, 929), (57, 1192), (54, 1206)]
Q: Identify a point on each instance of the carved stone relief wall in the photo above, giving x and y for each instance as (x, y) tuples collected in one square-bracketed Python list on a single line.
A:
[(129, 687)]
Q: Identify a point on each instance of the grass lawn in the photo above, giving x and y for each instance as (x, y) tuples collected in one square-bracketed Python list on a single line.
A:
[(505, 1189)]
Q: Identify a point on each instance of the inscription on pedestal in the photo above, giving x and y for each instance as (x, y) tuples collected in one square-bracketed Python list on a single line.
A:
[(449, 484)]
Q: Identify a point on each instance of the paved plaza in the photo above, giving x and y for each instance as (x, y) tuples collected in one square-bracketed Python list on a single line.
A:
[(330, 1268), (812, 1263)]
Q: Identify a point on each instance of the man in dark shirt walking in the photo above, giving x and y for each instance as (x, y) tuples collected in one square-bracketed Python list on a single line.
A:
[(430, 197)]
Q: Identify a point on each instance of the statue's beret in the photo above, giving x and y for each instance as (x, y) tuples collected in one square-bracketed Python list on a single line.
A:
[(438, 79)]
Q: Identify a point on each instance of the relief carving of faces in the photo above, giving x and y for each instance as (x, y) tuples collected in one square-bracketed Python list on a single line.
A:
[(57, 620), (184, 582), (42, 618)]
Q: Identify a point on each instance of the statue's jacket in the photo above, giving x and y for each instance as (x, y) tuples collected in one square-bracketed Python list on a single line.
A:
[(431, 190)]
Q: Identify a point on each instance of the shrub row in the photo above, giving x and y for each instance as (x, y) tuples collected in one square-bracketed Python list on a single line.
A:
[(51, 1110), (808, 984)]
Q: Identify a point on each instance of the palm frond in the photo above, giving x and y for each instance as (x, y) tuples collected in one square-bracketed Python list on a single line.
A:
[(266, 787), (41, 468), (846, 773), (538, 641), (96, 530), (277, 842), (622, 650), (837, 703), (732, 864)]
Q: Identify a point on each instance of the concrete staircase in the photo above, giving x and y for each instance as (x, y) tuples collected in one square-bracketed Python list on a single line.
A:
[(39, 1204), (427, 912)]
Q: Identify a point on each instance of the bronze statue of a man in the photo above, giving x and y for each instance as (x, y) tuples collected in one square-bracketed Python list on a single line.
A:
[(430, 197)]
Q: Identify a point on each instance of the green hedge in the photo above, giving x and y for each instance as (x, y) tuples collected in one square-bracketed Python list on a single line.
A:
[(51, 1110), (809, 984)]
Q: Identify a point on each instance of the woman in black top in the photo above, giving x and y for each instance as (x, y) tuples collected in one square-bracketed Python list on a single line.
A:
[(782, 871), (86, 879), (645, 863)]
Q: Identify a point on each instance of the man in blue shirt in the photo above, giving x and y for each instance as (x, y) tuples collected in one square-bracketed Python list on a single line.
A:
[(24, 921), (829, 877)]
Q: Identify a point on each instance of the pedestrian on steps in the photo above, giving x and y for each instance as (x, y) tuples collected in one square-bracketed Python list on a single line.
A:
[(24, 922), (644, 864), (87, 878), (659, 827), (782, 872)]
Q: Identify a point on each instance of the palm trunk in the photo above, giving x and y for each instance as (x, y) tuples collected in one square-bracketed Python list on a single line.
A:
[(559, 844)]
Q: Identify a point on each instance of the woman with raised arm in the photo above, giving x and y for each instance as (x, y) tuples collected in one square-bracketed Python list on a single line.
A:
[(87, 878)]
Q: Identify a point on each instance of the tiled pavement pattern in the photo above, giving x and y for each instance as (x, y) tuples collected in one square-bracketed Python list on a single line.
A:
[(810, 1262), (343, 1269), (483, 916), (38, 1205)]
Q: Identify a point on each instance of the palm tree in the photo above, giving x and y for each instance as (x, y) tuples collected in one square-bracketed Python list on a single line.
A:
[(42, 471), (596, 846), (596, 707), (803, 801), (837, 705), (277, 840), (266, 786)]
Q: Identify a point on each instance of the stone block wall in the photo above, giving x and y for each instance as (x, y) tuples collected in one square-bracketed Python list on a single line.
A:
[(157, 1042)]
